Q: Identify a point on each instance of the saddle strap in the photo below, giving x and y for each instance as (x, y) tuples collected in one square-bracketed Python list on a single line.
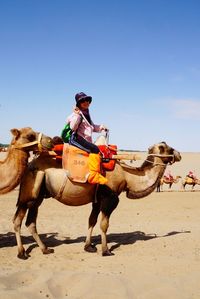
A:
[(62, 187)]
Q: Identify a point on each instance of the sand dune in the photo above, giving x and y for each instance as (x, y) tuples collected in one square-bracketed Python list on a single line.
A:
[(156, 242)]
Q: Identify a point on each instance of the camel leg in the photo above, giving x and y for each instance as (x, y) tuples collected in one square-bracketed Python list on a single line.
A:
[(109, 202), (17, 221), (89, 247), (158, 188), (31, 225), (104, 227)]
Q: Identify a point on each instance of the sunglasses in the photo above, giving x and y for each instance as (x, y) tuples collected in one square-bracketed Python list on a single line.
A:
[(84, 100)]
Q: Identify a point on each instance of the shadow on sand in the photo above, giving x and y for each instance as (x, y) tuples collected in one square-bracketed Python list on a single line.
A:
[(52, 239)]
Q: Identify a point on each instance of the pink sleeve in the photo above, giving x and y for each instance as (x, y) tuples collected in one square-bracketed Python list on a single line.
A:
[(74, 119), (97, 128)]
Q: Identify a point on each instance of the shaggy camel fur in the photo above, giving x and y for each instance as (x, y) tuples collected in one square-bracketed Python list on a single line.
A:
[(51, 181), (13, 166), (167, 181)]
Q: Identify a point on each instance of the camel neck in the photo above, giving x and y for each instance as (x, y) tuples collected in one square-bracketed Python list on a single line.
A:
[(11, 169)]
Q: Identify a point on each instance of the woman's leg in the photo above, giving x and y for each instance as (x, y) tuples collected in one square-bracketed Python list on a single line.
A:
[(83, 144), (94, 161)]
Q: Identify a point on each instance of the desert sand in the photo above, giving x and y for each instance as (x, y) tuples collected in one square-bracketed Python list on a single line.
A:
[(155, 241)]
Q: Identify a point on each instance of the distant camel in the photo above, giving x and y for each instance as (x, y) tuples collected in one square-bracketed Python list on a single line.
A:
[(12, 168), (190, 181), (170, 182)]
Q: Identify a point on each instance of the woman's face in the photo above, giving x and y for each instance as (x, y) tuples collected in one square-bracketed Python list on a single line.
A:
[(84, 104)]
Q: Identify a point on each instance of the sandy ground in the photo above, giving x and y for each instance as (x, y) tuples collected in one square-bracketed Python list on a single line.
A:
[(155, 241)]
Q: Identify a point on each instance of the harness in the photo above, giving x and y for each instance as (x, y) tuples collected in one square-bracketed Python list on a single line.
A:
[(161, 156), (28, 144)]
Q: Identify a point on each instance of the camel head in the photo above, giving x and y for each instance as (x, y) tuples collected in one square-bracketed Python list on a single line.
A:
[(167, 154), (146, 178), (29, 140)]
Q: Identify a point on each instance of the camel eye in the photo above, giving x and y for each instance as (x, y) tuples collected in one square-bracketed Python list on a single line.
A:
[(162, 149), (31, 137)]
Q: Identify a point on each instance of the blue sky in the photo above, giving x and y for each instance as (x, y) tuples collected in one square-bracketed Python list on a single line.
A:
[(139, 60)]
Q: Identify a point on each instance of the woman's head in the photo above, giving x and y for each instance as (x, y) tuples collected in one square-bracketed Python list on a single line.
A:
[(82, 100)]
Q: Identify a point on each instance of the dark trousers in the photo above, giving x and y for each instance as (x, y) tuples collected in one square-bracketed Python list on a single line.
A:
[(83, 144)]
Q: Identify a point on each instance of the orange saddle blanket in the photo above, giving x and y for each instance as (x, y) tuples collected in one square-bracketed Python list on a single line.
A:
[(75, 160)]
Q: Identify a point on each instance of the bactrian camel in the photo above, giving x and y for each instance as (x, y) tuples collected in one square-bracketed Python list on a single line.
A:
[(13, 166), (51, 181), (168, 181), (190, 181)]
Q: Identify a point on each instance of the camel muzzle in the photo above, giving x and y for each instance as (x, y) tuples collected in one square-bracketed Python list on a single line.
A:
[(177, 156)]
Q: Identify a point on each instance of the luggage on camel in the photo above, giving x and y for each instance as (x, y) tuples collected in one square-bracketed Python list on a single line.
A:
[(82, 166), (75, 161)]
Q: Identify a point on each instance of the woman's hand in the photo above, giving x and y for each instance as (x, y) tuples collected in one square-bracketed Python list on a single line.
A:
[(103, 128), (76, 110)]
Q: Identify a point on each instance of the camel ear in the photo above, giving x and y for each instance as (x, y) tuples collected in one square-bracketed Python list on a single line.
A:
[(15, 132), (150, 150)]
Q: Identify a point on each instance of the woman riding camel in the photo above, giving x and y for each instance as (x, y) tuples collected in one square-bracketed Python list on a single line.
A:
[(191, 175), (82, 126), (168, 175)]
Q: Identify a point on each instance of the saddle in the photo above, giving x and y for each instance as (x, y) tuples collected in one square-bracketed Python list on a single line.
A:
[(168, 179), (107, 151), (190, 180), (75, 160)]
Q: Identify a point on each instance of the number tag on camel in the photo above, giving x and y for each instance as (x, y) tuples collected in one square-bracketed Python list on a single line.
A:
[(75, 161)]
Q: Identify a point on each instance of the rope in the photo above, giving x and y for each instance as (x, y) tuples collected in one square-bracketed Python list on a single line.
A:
[(38, 142), (60, 192), (160, 156), (152, 162)]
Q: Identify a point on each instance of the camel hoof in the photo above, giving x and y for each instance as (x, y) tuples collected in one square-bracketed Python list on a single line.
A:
[(47, 251), (23, 255), (90, 248), (107, 253)]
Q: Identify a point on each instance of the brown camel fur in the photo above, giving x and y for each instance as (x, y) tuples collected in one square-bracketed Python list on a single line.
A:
[(167, 181), (13, 166), (190, 181), (137, 182)]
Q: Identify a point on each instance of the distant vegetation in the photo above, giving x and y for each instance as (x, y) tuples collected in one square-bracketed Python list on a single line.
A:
[(127, 150), (4, 145)]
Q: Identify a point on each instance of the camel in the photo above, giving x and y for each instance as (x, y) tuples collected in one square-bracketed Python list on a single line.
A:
[(190, 181), (170, 182), (52, 181), (13, 166)]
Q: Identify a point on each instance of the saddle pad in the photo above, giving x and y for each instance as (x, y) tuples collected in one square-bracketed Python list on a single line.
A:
[(107, 151), (189, 180), (58, 149), (75, 161), (168, 179)]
